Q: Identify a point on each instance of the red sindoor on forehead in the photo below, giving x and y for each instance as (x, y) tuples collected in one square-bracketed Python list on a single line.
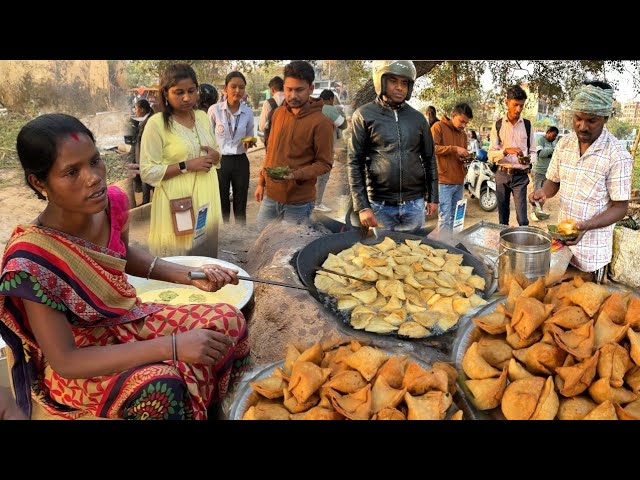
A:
[(75, 136)]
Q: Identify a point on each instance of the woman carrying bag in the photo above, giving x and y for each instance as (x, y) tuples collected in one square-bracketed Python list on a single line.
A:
[(178, 158)]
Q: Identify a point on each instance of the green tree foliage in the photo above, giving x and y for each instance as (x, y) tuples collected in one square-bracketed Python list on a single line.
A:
[(353, 73), (454, 82), (258, 82), (619, 128), (148, 72)]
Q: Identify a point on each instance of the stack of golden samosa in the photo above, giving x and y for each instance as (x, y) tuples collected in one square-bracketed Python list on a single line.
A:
[(569, 352), (343, 379)]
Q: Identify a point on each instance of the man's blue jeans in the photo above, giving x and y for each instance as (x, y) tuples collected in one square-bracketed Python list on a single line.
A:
[(288, 212), (449, 196), (408, 217)]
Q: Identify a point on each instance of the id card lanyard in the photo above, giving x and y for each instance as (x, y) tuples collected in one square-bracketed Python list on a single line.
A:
[(235, 127)]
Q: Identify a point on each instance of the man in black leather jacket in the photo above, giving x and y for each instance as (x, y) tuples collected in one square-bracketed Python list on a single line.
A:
[(392, 169)]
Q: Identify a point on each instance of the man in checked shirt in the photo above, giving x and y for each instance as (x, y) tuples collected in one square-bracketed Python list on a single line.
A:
[(592, 172)]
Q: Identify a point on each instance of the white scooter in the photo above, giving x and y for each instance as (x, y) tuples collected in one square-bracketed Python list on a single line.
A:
[(480, 181)]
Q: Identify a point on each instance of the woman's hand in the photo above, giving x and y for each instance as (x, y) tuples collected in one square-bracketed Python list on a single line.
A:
[(217, 277), (212, 154), (204, 163), (202, 346)]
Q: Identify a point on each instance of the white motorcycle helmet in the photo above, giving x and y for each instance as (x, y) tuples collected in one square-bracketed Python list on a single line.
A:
[(401, 68)]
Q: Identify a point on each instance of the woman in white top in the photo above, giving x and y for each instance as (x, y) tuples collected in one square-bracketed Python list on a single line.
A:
[(474, 144), (232, 122)]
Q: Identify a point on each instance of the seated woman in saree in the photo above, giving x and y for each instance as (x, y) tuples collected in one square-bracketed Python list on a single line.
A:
[(83, 341)]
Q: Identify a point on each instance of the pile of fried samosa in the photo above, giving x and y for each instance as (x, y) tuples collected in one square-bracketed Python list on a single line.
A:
[(569, 352), (418, 291), (344, 379)]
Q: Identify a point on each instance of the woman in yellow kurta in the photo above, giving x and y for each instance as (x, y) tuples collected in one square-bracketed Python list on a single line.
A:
[(178, 158)]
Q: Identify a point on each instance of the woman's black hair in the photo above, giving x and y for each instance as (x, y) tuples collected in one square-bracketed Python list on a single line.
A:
[(144, 104), (38, 142), (174, 73), (235, 74)]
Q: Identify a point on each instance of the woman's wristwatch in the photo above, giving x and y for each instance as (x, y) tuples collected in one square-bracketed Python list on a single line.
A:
[(183, 167)]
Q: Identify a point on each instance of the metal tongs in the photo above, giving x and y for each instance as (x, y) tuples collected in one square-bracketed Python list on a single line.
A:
[(203, 276)]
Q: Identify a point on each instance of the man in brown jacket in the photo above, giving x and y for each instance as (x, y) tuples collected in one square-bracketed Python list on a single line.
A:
[(301, 138), (450, 141)]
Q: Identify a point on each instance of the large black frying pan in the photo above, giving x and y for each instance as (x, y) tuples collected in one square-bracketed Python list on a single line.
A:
[(315, 253)]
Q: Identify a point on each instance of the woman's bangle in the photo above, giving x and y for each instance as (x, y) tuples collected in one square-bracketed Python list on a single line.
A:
[(174, 346), (151, 267)]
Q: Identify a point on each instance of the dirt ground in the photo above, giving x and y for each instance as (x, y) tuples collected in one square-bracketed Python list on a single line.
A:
[(18, 204)]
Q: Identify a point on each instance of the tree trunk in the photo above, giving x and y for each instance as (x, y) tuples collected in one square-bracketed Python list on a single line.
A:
[(454, 76), (367, 93)]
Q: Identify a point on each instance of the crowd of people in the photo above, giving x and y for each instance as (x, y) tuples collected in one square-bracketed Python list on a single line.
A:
[(83, 342)]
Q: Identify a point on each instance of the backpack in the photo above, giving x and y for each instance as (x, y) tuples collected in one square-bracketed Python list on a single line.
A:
[(267, 123), (527, 127)]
